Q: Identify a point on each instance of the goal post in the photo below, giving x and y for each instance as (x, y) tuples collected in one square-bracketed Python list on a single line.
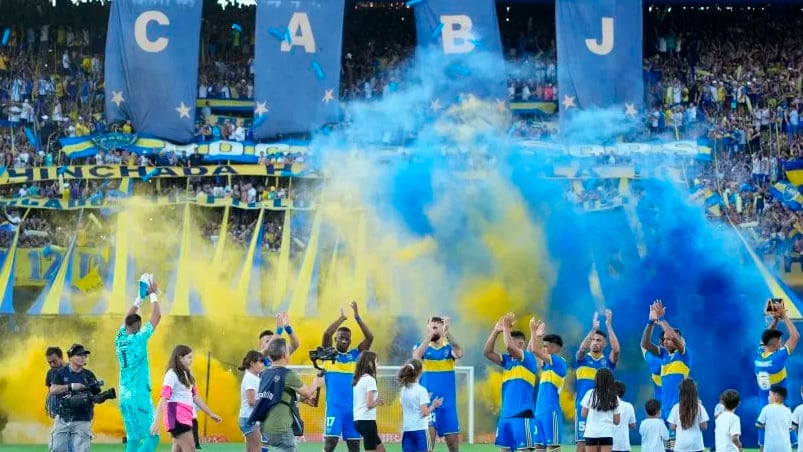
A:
[(389, 415)]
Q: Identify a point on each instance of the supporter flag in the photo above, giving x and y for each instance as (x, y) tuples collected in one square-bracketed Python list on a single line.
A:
[(459, 40), (599, 56), (794, 171), (298, 46), (787, 194), (152, 66)]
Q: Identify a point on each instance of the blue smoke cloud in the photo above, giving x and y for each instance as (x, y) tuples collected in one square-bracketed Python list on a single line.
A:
[(653, 244)]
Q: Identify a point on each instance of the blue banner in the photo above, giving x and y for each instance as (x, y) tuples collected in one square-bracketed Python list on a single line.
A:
[(298, 47), (599, 56), (461, 40), (152, 66)]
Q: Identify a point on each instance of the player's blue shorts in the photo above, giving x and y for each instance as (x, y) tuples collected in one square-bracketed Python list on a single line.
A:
[(340, 423), (515, 433), (548, 428), (444, 419), (138, 417), (579, 425), (415, 441)]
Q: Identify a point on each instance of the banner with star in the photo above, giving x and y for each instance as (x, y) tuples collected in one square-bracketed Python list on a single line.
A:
[(460, 42), (151, 66), (298, 47), (599, 57)]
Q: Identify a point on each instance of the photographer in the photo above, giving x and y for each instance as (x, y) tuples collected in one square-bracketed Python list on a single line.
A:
[(279, 416), (71, 430)]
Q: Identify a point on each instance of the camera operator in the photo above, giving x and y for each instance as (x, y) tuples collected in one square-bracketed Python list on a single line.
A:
[(71, 430)]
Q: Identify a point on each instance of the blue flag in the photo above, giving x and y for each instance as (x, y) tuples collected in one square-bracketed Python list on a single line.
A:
[(298, 47), (599, 56), (152, 66), (460, 40)]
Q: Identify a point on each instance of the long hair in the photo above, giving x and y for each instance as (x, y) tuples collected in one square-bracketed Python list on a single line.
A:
[(251, 357), (366, 365), (410, 372), (689, 403), (604, 397), (183, 373)]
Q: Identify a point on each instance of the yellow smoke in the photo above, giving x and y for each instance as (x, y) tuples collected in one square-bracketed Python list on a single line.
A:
[(375, 262)]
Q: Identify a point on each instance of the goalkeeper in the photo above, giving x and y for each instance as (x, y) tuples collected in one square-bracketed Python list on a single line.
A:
[(131, 345)]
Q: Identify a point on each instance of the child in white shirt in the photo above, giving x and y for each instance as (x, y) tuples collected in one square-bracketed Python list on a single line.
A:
[(727, 425), (627, 422), (653, 430), (416, 407), (776, 420), (797, 420), (366, 399), (688, 418)]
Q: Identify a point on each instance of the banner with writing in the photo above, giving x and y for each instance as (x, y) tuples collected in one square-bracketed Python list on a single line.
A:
[(599, 57), (298, 47), (461, 39), (151, 66), (119, 203), (212, 151), (109, 172)]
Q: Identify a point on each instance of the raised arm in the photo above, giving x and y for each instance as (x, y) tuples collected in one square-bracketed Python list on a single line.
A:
[(646, 335), (419, 351), (510, 345), (537, 331), (672, 335), (586, 344), (457, 350), (614, 341), (285, 324), (326, 340), (490, 344), (156, 311), (368, 336), (794, 335)]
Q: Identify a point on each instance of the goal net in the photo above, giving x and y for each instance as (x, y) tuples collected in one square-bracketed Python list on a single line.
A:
[(389, 415)]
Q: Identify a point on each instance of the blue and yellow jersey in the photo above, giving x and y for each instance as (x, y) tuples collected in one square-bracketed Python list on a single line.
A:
[(518, 385), (675, 367), (770, 368), (132, 356), (654, 365), (550, 385), (439, 376), (338, 379), (586, 372)]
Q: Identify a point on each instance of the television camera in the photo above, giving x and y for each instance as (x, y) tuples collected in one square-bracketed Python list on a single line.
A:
[(321, 354), (85, 399)]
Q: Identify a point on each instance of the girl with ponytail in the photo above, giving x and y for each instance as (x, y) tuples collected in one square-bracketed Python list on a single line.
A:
[(416, 407)]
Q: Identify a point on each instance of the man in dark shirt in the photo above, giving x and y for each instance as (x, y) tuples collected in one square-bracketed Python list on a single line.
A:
[(55, 359), (71, 430)]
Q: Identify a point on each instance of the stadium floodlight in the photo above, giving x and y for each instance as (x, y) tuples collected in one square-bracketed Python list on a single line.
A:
[(389, 417)]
